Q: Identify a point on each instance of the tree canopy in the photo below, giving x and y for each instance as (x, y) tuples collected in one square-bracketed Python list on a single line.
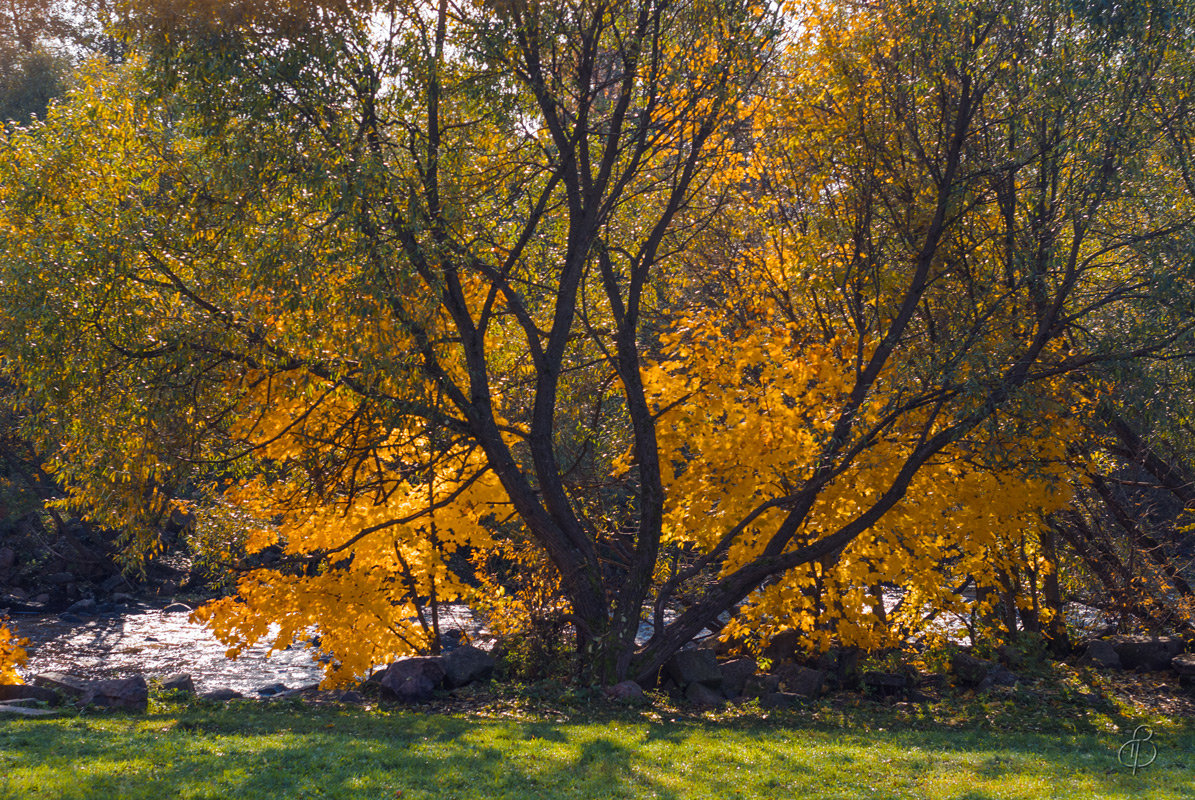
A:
[(729, 310)]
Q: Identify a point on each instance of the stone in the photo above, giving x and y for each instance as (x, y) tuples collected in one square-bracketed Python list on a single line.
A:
[(1146, 652), (735, 674), (22, 691), (112, 583), (1184, 665), (350, 696), (759, 685), (999, 676), (84, 605), (467, 664), (42, 598), (802, 681), (884, 684), (70, 618), (273, 690), (628, 692), (783, 646), (59, 578), (779, 700), (180, 682), (701, 695), (130, 694), (222, 695), (1101, 653), (970, 670), (122, 597), (22, 711), (8, 558), (695, 666), (412, 680), (62, 683)]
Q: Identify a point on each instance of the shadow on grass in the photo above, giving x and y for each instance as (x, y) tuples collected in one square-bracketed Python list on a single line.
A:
[(252, 751)]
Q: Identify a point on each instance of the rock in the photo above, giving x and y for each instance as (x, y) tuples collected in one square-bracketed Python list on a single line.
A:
[(1184, 665), (273, 690), (465, 665), (22, 711), (222, 695), (59, 578), (628, 693), (180, 682), (350, 697), (412, 680), (62, 683), (82, 606), (123, 693), (735, 674), (884, 684), (70, 618), (801, 681), (999, 676), (21, 691), (122, 597), (1146, 652), (760, 685), (113, 583), (8, 558), (177, 608), (701, 695), (1101, 653), (695, 666), (42, 599), (779, 700), (783, 646), (970, 670), (451, 640)]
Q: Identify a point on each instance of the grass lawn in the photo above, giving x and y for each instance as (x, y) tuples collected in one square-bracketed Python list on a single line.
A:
[(1010, 748)]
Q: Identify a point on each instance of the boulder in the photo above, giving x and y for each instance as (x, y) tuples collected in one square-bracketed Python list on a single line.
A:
[(273, 690), (82, 606), (970, 670), (180, 682), (628, 693), (761, 685), (111, 584), (1101, 653), (21, 691), (701, 695), (884, 684), (695, 666), (779, 700), (466, 664), (222, 695), (999, 676), (735, 674), (130, 694), (1184, 665), (802, 681), (783, 646), (62, 683), (1146, 652), (412, 680)]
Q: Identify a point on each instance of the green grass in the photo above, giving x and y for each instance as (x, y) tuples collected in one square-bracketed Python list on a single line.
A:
[(970, 751)]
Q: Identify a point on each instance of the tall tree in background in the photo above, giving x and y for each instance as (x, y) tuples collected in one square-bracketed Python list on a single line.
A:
[(818, 288)]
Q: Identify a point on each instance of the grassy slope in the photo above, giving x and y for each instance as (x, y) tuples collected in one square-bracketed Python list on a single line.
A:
[(987, 750)]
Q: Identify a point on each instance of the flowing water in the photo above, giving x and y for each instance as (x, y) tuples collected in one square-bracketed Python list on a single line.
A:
[(154, 644)]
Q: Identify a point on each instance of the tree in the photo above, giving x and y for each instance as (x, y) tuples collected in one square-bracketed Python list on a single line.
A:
[(394, 279)]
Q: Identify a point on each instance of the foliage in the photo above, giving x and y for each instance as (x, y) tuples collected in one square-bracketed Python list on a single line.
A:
[(726, 308), (12, 654)]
